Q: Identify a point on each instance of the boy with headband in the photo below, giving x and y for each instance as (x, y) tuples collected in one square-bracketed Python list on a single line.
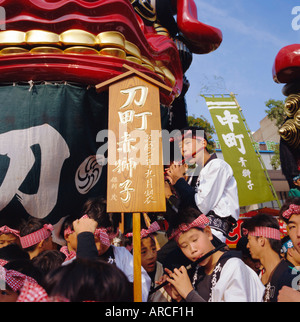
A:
[(212, 188), (264, 243), (290, 214)]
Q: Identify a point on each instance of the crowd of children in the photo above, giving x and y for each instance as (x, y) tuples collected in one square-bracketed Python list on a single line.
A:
[(194, 265)]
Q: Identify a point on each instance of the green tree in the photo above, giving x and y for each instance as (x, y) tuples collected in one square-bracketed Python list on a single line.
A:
[(276, 112), (208, 128)]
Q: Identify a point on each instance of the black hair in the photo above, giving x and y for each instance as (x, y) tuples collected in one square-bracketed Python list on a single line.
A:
[(264, 220), (48, 260), (30, 226), (68, 223), (195, 131), (89, 280), (95, 208), (25, 266), (13, 251), (184, 216)]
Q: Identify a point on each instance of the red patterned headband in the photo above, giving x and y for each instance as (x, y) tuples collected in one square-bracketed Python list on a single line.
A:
[(37, 236), (146, 232), (15, 280), (103, 234), (32, 292), (266, 232), (293, 210), (201, 222), (7, 230)]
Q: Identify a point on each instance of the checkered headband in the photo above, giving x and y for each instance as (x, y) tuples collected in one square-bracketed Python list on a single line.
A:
[(266, 232), (201, 222), (146, 232), (32, 292), (7, 230), (293, 210), (104, 234), (37, 236), (15, 280)]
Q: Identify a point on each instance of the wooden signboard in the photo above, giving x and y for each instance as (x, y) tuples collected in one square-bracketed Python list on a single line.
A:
[(135, 180), (135, 175)]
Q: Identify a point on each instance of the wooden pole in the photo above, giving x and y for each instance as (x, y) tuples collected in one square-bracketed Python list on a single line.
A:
[(137, 263)]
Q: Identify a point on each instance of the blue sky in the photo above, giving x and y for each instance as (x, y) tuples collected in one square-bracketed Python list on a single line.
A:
[(253, 33)]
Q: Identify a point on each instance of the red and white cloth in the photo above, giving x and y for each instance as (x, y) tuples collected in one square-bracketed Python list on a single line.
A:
[(266, 232), (293, 210), (69, 255), (104, 234), (201, 222), (37, 236), (15, 280), (32, 292), (7, 230), (146, 232)]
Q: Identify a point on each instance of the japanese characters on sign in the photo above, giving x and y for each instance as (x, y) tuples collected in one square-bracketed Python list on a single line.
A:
[(239, 151), (135, 181)]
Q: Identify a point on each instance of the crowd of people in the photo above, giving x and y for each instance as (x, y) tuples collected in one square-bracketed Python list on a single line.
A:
[(193, 265)]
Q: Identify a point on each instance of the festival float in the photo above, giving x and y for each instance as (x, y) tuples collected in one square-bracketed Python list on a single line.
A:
[(53, 54), (286, 70)]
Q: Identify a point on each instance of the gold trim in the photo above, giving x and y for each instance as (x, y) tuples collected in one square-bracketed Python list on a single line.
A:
[(41, 37), (132, 49), (111, 38), (291, 105), (169, 75), (12, 37), (113, 52), (290, 133), (149, 67), (81, 50), (77, 37), (13, 51), (46, 50), (134, 60)]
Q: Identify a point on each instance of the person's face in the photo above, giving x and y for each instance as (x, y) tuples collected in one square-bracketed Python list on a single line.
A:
[(192, 150), (100, 247), (195, 243), (294, 231), (7, 239), (71, 239), (254, 247), (148, 254), (8, 295)]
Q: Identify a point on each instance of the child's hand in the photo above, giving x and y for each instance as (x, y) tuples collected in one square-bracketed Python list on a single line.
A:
[(84, 225), (175, 172), (180, 280), (171, 290)]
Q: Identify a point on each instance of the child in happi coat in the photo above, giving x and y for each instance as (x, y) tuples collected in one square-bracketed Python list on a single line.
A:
[(210, 188), (8, 236), (36, 236), (95, 232), (222, 277), (264, 243), (290, 214), (149, 261)]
